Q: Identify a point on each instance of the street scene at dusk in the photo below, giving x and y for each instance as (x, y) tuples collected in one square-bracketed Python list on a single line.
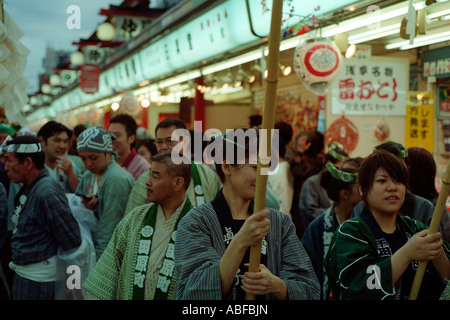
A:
[(230, 153)]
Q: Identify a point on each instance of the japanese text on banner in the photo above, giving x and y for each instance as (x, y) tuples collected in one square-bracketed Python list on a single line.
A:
[(370, 87), (419, 120)]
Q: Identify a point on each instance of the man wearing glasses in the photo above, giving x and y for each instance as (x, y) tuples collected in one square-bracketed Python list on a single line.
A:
[(204, 184)]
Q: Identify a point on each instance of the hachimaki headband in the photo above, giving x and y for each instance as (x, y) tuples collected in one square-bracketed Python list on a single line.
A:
[(33, 147), (332, 152), (223, 136), (402, 154), (341, 175)]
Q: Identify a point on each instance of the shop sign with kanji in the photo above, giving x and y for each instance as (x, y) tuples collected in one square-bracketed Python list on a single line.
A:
[(371, 87), (443, 102), (419, 120)]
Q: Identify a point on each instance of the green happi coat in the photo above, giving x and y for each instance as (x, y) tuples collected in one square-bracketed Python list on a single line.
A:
[(353, 254), (113, 277)]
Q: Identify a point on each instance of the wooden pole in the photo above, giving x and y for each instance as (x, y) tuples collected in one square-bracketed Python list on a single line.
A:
[(267, 124), (434, 225)]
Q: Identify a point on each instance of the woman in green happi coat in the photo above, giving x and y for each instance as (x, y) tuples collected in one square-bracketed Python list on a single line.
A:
[(375, 255)]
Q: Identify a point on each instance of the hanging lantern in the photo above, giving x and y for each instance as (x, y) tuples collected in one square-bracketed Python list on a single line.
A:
[(317, 62), (77, 58), (129, 104), (46, 88), (55, 80), (106, 31)]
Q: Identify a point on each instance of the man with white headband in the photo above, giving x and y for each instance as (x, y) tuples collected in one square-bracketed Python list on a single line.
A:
[(42, 220), (105, 184)]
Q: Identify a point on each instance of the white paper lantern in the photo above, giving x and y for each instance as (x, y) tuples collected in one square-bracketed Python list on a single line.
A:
[(55, 80), (106, 31), (46, 88), (317, 62), (129, 104), (77, 58)]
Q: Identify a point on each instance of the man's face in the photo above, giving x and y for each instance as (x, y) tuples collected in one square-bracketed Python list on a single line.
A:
[(164, 144), (160, 184), (95, 162), (16, 171), (56, 146), (122, 142)]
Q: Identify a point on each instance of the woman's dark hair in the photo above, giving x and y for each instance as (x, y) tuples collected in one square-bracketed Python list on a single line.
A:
[(149, 144), (242, 143), (333, 186), (316, 139), (393, 166), (422, 169), (395, 148)]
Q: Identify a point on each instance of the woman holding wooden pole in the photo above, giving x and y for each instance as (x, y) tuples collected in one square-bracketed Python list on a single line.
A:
[(213, 241), (374, 255), (267, 122)]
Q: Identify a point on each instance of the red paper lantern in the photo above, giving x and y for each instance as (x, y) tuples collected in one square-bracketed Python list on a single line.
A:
[(317, 62)]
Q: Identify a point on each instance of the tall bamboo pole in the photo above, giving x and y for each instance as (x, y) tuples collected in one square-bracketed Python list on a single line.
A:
[(434, 225), (267, 124)]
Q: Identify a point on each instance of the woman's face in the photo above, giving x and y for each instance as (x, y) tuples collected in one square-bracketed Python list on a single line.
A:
[(242, 178), (145, 153), (386, 195)]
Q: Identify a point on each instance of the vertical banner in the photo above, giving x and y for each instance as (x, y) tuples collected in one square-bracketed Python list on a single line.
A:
[(443, 102), (89, 78), (419, 120)]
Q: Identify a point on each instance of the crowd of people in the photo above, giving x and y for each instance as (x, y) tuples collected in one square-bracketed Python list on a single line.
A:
[(113, 202)]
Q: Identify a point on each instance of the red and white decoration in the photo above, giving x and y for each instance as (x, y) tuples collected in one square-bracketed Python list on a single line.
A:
[(317, 62)]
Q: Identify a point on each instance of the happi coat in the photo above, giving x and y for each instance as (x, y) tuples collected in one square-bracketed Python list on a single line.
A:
[(359, 254), (316, 241), (42, 222), (115, 186), (113, 277), (201, 244)]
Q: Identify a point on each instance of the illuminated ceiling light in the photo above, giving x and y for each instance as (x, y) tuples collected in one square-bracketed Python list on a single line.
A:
[(371, 19), (438, 14), (368, 21), (248, 57), (115, 106), (374, 34), (426, 42), (418, 41), (251, 78), (145, 103), (285, 70), (350, 51), (185, 77), (341, 41)]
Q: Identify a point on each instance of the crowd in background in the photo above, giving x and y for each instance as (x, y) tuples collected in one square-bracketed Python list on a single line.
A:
[(110, 200)]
